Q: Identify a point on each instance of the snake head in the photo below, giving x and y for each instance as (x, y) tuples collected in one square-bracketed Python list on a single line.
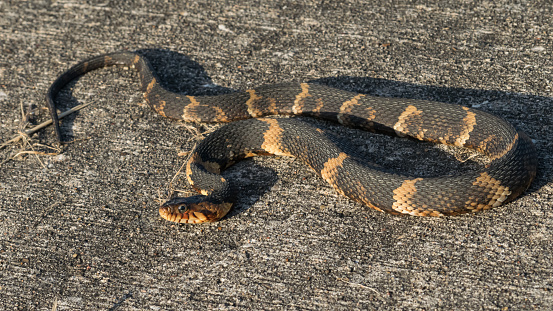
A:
[(194, 210)]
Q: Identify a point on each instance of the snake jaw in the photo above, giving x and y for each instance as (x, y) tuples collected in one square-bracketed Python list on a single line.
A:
[(193, 210)]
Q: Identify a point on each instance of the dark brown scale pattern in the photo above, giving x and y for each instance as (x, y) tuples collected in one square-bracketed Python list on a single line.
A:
[(510, 172)]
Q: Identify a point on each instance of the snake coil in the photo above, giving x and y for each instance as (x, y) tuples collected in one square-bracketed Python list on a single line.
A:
[(511, 152)]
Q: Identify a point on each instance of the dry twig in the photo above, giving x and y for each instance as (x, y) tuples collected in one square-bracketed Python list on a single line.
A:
[(42, 125)]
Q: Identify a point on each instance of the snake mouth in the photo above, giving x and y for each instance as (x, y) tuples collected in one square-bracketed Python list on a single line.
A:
[(193, 210)]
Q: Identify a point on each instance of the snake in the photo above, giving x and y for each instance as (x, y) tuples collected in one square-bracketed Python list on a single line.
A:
[(252, 130)]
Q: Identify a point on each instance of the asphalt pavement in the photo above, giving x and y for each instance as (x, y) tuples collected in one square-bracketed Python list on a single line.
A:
[(79, 227)]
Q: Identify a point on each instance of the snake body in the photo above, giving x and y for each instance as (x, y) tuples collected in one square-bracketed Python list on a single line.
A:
[(512, 155)]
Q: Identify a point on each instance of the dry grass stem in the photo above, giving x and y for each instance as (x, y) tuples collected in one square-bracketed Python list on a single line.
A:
[(42, 125)]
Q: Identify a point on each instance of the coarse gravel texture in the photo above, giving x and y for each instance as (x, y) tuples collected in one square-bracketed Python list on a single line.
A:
[(79, 229)]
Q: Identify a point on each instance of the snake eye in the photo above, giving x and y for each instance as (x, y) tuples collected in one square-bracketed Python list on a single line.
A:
[(183, 208)]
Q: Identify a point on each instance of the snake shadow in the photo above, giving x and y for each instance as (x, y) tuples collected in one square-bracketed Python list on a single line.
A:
[(179, 73), (253, 181)]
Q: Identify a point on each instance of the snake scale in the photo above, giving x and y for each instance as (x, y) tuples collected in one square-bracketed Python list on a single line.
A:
[(512, 155)]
